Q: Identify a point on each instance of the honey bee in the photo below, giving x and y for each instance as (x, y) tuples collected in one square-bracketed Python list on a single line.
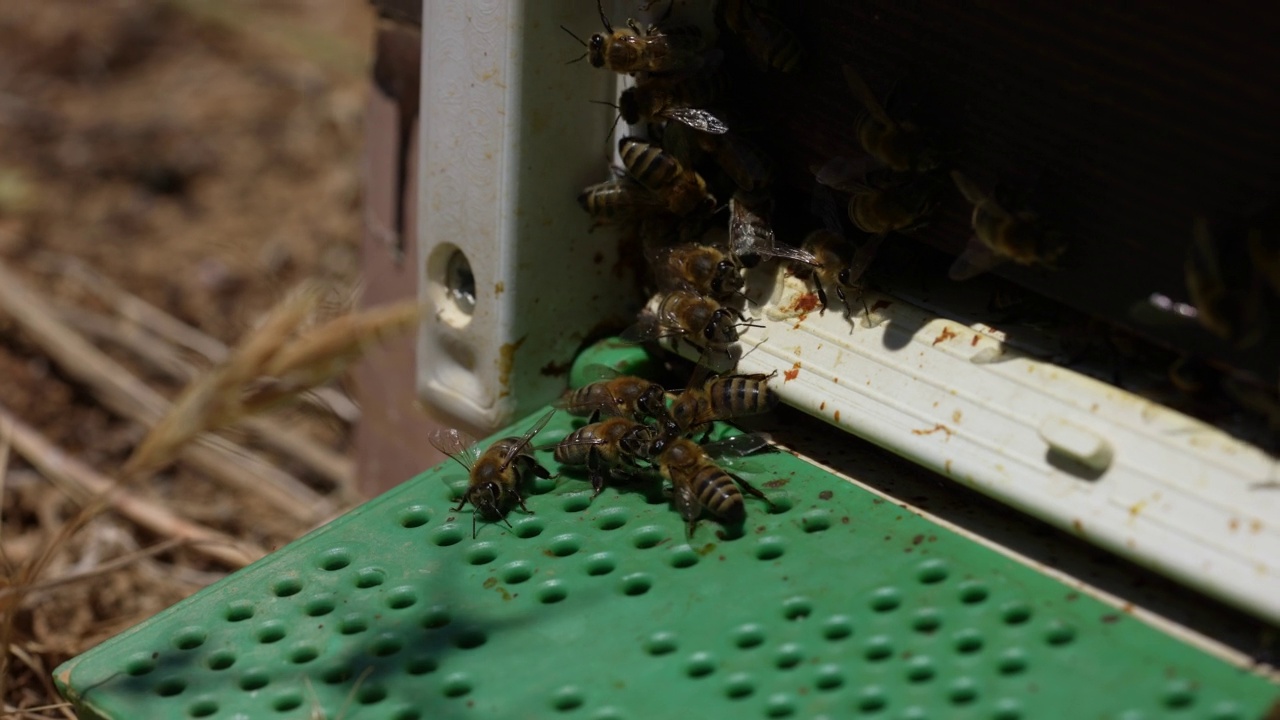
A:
[(1226, 288), (618, 396), (701, 269), (494, 475), (893, 205), (725, 397), (678, 98), (900, 146), (683, 190), (700, 320), (616, 444), (697, 483), (773, 46), (618, 201), (830, 249), (751, 236), (673, 49), (1002, 234)]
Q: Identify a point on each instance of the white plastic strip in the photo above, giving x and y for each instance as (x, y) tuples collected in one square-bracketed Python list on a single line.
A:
[(1160, 488)]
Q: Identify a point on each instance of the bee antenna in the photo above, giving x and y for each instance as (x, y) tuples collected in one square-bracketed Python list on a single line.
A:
[(581, 42), (600, 6), (605, 102), (577, 59)]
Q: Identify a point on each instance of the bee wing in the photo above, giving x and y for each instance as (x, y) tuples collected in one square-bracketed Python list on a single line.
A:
[(646, 329), (863, 93), (972, 192), (659, 264), (824, 206), (748, 231), (862, 258), (697, 119), (458, 445), (686, 502), (736, 446), (976, 259), (517, 449), (787, 252)]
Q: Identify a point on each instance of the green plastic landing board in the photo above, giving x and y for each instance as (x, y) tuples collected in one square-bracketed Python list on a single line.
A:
[(834, 604)]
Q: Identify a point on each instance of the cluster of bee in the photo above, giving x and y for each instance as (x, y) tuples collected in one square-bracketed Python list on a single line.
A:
[(631, 431)]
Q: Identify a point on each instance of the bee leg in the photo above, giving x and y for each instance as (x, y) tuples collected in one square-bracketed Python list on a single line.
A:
[(707, 434), (822, 294), (690, 528), (473, 526), (542, 472), (595, 473), (751, 490), (461, 503)]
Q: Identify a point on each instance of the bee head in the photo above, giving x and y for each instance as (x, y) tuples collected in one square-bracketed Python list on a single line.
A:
[(595, 50), (721, 327), (487, 498)]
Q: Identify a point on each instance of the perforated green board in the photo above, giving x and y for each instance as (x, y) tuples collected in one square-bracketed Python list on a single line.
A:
[(835, 603)]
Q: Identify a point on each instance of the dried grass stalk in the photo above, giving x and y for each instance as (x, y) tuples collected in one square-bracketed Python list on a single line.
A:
[(163, 325), (126, 395), (95, 491), (280, 359)]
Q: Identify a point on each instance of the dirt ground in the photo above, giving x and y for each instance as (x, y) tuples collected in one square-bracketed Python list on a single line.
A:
[(205, 157)]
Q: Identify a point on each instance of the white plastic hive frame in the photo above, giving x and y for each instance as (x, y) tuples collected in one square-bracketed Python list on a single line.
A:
[(1148, 483), (508, 134)]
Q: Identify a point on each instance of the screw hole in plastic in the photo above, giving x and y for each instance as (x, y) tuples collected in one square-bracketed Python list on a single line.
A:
[(239, 610), (481, 553), (920, 669), (837, 627), (371, 694), (748, 636), (203, 708), (402, 597), (739, 686), (470, 639), (932, 572), (414, 516), (885, 599), (700, 665), (370, 578), (552, 592), (661, 643), (829, 677), (636, 584), (171, 686), (271, 631), (567, 698), (320, 605), (385, 645), (287, 702), (254, 680), (286, 587), (797, 608), (457, 685), (576, 502), (335, 559), (815, 521), (789, 656), (529, 527), (516, 572), (565, 545), (190, 638), (600, 564), (436, 616), (352, 624), (611, 519), (770, 548), (220, 660), (682, 556)]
